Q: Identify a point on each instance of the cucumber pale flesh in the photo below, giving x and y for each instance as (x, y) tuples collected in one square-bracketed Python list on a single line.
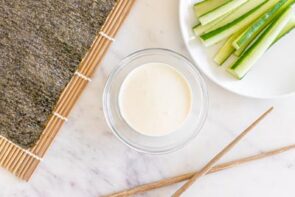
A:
[(253, 30), (220, 11), (242, 66), (221, 33), (287, 29), (226, 50), (206, 6), (240, 11)]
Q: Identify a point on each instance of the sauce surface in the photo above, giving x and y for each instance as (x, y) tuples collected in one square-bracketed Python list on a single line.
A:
[(155, 99)]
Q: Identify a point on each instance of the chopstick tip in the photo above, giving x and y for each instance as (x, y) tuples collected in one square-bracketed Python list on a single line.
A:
[(270, 109)]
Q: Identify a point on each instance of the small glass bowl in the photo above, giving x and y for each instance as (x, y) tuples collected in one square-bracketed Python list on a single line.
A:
[(156, 144)]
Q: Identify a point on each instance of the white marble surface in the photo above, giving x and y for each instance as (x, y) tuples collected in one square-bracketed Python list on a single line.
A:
[(87, 160)]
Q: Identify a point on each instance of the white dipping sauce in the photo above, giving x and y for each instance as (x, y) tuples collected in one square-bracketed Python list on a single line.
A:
[(155, 99)]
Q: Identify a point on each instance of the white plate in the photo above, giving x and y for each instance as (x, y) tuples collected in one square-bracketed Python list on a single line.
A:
[(272, 76)]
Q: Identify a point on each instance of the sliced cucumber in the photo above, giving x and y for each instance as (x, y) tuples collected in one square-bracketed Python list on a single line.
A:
[(200, 29), (226, 50), (225, 31), (240, 11), (241, 50), (242, 66), (206, 6), (220, 11), (253, 30), (244, 48), (288, 28)]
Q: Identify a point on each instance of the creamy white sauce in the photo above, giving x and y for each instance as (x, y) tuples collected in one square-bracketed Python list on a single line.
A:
[(155, 99)]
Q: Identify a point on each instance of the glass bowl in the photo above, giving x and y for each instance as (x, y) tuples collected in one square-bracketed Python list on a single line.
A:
[(156, 144)]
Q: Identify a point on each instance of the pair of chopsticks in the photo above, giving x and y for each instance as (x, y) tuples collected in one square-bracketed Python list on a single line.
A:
[(209, 168)]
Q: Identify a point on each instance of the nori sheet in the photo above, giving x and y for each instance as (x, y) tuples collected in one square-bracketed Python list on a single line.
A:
[(41, 44)]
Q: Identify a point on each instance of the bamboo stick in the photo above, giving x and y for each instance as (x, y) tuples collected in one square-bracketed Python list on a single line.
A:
[(177, 179), (101, 40), (114, 20), (213, 161)]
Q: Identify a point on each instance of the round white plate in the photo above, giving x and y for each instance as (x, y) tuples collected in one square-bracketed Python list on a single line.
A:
[(271, 77)]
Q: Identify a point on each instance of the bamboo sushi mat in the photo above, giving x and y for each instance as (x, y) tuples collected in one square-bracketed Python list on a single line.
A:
[(23, 163)]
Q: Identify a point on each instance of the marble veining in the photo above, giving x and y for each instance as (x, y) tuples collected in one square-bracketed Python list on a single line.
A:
[(87, 160)]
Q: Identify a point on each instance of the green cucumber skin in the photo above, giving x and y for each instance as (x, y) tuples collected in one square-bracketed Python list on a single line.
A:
[(244, 48), (240, 51), (200, 29), (214, 9), (220, 11), (240, 11), (248, 59), (224, 53), (217, 31), (259, 24), (226, 50), (281, 36), (247, 37), (200, 8), (215, 36), (287, 29)]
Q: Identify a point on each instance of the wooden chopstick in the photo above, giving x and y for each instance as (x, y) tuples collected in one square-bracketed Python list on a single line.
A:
[(212, 162), (217, 168)]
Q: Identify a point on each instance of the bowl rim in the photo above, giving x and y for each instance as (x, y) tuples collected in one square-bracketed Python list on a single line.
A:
[(201, 81)]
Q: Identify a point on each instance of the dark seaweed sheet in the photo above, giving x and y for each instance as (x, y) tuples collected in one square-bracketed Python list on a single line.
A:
[(41, 45)]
